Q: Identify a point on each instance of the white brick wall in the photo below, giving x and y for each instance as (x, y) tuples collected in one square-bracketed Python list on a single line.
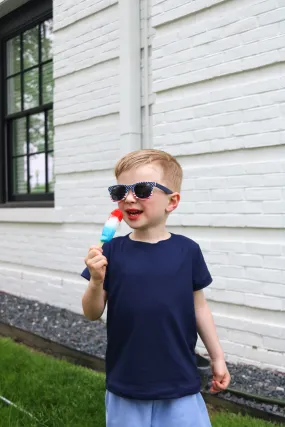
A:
[(218, 42), (88, 41), (51, 250), (240, 111), (67, 13), (218, 79), (86, 109), (243, 194)]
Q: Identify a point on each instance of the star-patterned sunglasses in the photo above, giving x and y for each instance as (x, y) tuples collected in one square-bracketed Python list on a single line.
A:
[(140, 190)]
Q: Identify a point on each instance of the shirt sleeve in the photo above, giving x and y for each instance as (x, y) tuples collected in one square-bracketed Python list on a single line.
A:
[(201, 275), (86, 274)]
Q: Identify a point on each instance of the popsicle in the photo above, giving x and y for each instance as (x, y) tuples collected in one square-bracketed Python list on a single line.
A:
[(111, 226)]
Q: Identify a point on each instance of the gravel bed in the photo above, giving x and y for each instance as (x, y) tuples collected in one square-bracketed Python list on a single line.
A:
[(74, 330), (56, 324), (267, 407)]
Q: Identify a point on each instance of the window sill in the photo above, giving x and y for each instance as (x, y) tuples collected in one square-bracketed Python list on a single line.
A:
[(30, 214), (39, 204)]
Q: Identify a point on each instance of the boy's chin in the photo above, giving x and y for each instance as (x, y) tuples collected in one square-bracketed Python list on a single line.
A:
[(136, 225)]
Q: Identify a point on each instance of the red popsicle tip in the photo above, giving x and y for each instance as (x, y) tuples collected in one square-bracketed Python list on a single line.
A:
[(118, 213)]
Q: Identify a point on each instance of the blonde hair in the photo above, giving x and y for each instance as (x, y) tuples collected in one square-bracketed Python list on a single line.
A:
[(172, 171)]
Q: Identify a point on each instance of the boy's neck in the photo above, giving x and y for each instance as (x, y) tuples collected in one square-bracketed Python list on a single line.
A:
[(150, 235)]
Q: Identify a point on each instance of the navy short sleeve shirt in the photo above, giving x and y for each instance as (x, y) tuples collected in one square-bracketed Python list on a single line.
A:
[(151, 326)]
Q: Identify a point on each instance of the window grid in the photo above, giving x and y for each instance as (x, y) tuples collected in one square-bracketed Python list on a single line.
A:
[(26, 114)]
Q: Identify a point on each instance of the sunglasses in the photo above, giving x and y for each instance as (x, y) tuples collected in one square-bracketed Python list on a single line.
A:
[(140, 190)]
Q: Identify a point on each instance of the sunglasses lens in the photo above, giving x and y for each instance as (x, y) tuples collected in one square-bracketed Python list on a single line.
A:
[(118, 192), (143, 190)]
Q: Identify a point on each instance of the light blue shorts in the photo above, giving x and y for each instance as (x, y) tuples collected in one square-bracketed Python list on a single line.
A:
[(188, 411)]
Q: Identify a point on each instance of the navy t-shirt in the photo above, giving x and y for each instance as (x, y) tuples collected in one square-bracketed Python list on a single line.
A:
[(151, 325)]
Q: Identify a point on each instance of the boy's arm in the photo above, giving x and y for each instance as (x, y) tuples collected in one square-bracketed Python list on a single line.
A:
[(95, 296), (207, 331), (94, 300)]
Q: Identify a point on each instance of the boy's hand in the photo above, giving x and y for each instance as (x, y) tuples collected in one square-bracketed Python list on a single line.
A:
[(221, 376), (96, 263)]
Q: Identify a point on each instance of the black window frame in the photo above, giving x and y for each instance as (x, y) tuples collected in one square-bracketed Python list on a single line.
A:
[(22, 19)]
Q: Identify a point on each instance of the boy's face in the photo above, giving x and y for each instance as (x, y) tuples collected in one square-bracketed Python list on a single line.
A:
[(151, 212)]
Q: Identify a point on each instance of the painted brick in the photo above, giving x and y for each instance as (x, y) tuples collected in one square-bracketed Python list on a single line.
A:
[(263, 248), (214, 54), (263, 329), (265, 275), (66, 14), (247, 338), (94, 145), (263, 302), (86, 94), (275, 290), (263, 194), (274, 344), (225, 296), (166, 10), (87, 43), (246, 260), (274, 262), (232, 189), (257, 355), (222, 122)]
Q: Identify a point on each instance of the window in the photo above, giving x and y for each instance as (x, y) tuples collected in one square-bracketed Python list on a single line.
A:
[(27, 107)]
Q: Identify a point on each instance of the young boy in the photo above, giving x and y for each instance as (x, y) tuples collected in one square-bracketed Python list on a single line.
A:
[(153, 282)]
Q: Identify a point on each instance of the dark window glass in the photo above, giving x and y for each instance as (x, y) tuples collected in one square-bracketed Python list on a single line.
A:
[(28, 119)]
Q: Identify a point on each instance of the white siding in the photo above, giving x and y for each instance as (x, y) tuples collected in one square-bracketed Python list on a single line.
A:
[(218, 75), (43, 258)]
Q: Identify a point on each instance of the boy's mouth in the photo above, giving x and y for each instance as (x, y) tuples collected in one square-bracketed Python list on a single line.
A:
[(133, 213)]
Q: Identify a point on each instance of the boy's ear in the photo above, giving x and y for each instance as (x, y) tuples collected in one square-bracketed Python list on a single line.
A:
[(173, 202)]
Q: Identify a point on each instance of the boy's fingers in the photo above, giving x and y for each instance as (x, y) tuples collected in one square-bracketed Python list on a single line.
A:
[(226, 380), (94, 252), (97, 248), (93, 261), (100, 258), (101, 263), (220, 385), (215, 389)]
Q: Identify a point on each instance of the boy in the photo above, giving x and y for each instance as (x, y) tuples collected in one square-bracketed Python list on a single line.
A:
[(153, 282)]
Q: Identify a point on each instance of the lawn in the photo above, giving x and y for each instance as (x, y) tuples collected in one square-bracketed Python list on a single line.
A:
[(59, 394)]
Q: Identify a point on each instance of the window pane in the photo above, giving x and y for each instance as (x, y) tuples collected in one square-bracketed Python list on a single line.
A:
[(20, 175), (19, 137), (47, 39), (37, 173), (47, 83), (50, 130), (31, 89), (31, 47), (50, 172), (14, 94), (37, 133), (13, 56)]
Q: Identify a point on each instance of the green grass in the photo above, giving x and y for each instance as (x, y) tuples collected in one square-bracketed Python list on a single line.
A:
[(231, 420), (59, 394)]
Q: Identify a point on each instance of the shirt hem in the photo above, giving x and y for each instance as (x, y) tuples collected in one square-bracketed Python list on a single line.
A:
[(155, 396)]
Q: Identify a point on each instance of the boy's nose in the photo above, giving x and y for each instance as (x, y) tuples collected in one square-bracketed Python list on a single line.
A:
[(130, 197)]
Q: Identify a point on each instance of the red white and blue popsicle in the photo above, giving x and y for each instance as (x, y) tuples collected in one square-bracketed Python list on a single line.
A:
[(111, 226)]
